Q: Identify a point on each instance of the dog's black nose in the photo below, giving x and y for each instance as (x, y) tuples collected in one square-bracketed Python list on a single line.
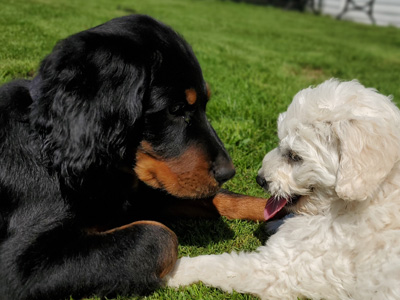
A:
[(262, 182), (223, 169), (224, 173)]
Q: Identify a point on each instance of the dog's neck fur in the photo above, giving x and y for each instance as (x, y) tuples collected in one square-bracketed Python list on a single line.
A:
[(34, 88)]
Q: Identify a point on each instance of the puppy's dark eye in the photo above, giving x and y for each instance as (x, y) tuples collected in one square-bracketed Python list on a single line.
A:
[(291, 155)]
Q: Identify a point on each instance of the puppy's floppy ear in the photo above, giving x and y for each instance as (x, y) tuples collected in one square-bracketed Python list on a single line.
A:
[(86, 100), (369, 148)]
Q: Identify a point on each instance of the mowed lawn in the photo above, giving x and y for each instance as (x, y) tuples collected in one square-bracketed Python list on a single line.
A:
[(255, 59)]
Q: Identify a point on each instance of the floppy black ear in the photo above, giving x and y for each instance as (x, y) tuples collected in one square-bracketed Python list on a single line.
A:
[(87, 98)]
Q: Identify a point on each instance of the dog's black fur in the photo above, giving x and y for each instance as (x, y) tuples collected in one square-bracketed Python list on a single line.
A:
[(116, 113)]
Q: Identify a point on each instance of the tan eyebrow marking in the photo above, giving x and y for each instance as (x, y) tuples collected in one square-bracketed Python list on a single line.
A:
[(191, 96)]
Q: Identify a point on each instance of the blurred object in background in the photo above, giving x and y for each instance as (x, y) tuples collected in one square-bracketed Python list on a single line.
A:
[(299, 5), (377, 12)]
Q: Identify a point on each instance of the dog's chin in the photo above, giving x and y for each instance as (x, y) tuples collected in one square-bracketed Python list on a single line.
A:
[(294, 200), (293, 204), (303, 204)]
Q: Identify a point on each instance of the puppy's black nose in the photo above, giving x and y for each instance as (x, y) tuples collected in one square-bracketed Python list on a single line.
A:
[(224, 173), (262, 182)]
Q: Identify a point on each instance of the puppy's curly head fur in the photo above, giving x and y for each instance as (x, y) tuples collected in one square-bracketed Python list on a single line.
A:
[(338, 140)]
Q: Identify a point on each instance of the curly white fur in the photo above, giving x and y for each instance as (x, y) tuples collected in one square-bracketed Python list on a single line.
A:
[(344, 242)]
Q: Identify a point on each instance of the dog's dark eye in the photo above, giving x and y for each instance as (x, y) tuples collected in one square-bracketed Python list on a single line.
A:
[(293, 156), (180, 111), (177, 109), (187, 119)]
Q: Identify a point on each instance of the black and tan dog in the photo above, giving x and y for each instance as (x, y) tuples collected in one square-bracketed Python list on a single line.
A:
[(112, 131)]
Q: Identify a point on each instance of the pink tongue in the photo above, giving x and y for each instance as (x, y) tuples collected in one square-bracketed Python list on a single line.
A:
[(274, 204)]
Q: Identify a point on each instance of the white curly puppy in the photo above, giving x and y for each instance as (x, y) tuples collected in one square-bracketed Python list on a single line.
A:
[(337, 167)]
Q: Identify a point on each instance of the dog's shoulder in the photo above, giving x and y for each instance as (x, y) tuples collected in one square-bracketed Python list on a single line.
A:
[(14, 99)]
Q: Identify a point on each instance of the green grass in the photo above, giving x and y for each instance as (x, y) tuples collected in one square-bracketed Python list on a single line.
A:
[(254, 58)]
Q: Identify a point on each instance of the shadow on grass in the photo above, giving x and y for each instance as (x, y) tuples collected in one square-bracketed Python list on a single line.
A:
[(201, 232), (261, 233)]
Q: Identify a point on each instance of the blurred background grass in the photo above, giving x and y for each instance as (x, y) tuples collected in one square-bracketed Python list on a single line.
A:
[(255, 59)]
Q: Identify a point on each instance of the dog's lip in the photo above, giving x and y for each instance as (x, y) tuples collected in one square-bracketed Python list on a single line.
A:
[(276, 203), (293, 200)]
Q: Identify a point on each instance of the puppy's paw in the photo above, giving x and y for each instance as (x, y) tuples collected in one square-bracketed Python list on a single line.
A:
[(181, 275)]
